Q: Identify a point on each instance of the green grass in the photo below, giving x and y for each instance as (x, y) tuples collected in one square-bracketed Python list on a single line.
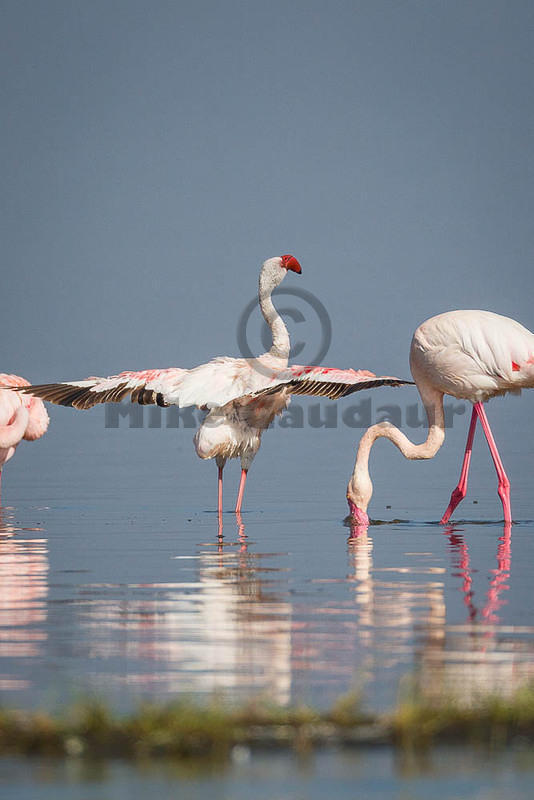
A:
[(490, 719), (185, 730)]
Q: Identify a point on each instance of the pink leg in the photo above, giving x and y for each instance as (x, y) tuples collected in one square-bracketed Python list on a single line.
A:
[(219, 504), (241, 491), (504, 484), (220, 499), (461, 490)]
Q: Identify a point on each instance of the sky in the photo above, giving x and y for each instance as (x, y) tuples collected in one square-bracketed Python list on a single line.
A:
[(153, 154)]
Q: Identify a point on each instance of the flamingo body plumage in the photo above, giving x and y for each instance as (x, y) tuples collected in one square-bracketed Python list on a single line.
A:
[(21, 417), (469, 354), (473, 355)]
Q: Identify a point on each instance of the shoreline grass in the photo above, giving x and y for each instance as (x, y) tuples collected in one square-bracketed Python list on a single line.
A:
[(185, 730)]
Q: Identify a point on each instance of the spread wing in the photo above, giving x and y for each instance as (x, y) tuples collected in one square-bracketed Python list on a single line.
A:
[(147, 386), (209, 385), (328, 381)]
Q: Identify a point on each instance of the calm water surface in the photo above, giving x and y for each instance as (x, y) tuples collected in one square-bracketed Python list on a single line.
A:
[(448, 774), (113, 580)]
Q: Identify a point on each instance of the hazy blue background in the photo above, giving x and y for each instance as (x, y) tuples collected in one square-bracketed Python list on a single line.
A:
[(154, 153)]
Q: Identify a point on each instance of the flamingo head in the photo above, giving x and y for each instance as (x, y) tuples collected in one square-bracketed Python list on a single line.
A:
[(274, 270), (290, 262), (357, 516), (359, 493)]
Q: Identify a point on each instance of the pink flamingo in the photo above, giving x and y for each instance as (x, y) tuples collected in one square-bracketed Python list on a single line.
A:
[(472, 355), (242, 395), (20, 417)]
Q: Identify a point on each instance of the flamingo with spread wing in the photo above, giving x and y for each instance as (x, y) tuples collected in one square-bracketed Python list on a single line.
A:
[(242, 395)]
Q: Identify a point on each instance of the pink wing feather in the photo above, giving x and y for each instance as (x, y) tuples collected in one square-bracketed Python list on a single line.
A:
[(209, 385), (328, 381), (146, 386)]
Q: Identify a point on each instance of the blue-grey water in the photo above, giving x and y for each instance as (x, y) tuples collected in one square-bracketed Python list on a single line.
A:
[(114, 583), (446, 774)]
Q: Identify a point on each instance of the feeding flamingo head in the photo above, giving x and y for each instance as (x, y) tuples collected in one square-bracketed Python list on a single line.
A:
[(359, 493)]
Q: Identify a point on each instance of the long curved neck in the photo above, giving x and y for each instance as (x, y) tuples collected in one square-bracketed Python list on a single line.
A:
[(360, 488), (280, 347)]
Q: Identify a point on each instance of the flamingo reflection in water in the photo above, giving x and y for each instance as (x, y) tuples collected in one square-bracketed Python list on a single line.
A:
[(500, 576), (456, 660), (23, 596), (482, 656), (393, 602), (221, 630)]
